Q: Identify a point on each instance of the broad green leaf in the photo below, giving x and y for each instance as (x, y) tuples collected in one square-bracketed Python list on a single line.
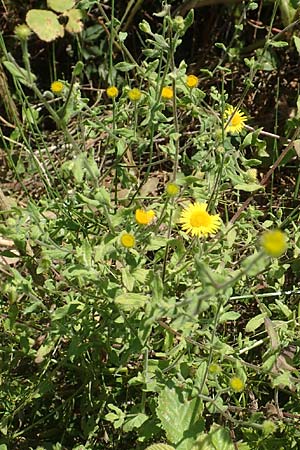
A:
[(217, 439), (135, 422), (74, 24), (179, 417), (130, 301), (60, 5), (255, 322), (45, 24), (160, 447), (220, 438)]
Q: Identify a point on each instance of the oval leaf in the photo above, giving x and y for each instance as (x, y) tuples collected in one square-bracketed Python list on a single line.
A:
[(130, 301), (255, 322), (45, 24)]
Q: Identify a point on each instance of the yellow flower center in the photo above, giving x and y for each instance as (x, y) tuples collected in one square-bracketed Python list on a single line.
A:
[(236, 120), (200, 219)]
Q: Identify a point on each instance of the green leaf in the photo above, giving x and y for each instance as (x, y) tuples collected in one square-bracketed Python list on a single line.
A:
[(277, 44), (248, 187), (179, 417), (297, 43), (160, 447), (135, 422), (45, 24), (130, 301), (60, 5), (124, 66), (255, 322), (74, 24), (229, 315), (19, 73)]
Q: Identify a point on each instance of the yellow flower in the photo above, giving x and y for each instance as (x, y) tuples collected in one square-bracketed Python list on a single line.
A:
[(197, 221), (167, 93), (172, 189), (57, 87), (134, 95), (236, 384), (144, 217), (112, 92), (192, 81), (127, 240), (236, 120), (274, 243)]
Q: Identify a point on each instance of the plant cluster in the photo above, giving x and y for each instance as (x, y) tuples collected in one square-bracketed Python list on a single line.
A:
[(145, 303)]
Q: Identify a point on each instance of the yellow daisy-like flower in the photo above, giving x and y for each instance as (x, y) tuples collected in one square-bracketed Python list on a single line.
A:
[(237, 120), (134, 95), (112, 91), (236, 384), (274, 243), (57, 87), (167, 93), (198, 222), (144, 217), (192, 81), (127, 240), (172, 189)]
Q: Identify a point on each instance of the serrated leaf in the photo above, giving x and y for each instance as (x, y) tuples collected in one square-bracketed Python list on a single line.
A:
[(130, 301), (179, 417), (60, 5), (255, 322), (74, 24), (45, 24)]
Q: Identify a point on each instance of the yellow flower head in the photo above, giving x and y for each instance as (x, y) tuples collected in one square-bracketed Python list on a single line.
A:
[(127, 240), (274, 243), (112, 92), (167, 93), (172, 189), (197, 221), (144, 217), (22, 32), (236, 120), (192, 81), (57, 87), (236, 384), (134, 95)]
